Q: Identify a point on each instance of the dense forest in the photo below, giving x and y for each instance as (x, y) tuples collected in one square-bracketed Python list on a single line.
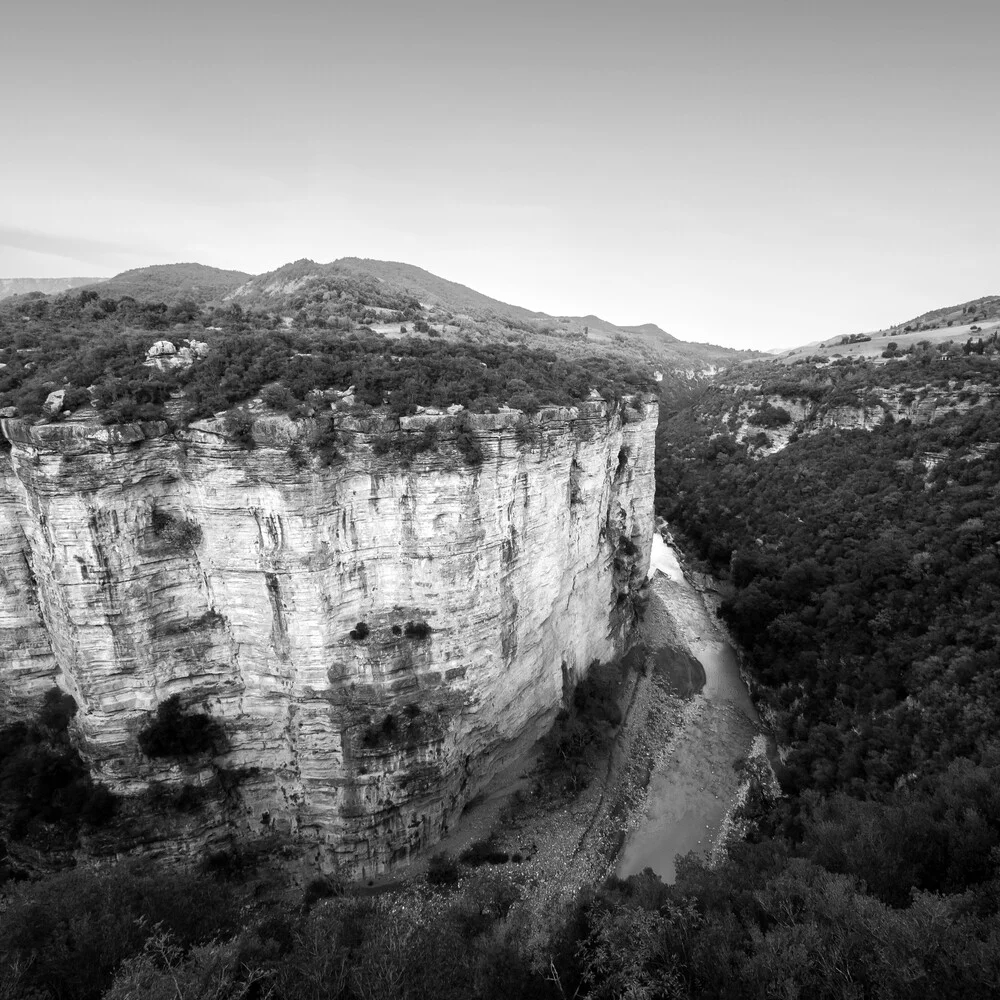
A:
[(95, 349), (861, 575)]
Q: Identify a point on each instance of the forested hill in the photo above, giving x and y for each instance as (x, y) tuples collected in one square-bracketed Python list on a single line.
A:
[(171, 283), (389, 297), (377, 292)]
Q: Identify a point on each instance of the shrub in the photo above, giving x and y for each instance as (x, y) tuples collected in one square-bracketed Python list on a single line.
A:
[(417, 630), (239, 426), (57, 709), (173, 733), (526, 433), (76, 398), (442, 869), (405, 447), (175, 532), (42, 777), (323, 440), (298, 456), (277, 397), (377, 736), (526, 402), (323, 887), (483, 852), (71, 931), (465, 441), (359, 632), (770, 416)]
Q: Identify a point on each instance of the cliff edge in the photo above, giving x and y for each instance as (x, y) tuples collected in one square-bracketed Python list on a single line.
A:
[(375, 639)]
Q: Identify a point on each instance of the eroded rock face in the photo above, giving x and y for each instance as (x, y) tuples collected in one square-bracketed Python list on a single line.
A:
[(136, 564), (920, 407)]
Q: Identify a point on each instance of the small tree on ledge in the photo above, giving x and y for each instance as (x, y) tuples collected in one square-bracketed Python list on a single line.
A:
[(176, 734)]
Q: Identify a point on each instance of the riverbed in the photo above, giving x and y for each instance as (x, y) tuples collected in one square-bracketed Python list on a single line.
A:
[(694, 788)]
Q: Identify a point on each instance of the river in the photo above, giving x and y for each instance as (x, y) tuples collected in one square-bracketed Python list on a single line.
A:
[(693, 787)]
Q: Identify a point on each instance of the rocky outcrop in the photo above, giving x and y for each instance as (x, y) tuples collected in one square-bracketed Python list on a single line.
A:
[(920, 406), (140, 563)]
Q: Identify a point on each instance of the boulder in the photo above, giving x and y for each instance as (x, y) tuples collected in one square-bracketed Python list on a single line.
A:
[(54, 401)]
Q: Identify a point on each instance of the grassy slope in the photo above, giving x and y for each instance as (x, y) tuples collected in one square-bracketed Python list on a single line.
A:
[(937, 326)]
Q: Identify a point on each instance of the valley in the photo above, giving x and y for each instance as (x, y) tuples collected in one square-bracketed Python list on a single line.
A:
[(339, 600)]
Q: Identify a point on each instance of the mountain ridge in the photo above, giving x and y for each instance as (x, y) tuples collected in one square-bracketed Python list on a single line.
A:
[(385, 296)]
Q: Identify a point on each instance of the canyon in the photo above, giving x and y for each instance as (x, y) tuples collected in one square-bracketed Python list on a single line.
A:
[(376, 639)]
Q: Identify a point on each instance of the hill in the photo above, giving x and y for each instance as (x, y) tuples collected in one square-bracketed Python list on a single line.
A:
[(955, 324), (430, 289), (394, 299), (983, 310), (170, 282), (47, 286), (385, 295), (651, 330)]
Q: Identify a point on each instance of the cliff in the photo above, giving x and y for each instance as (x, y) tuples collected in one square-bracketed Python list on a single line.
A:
[(921, 405), (139, 563)]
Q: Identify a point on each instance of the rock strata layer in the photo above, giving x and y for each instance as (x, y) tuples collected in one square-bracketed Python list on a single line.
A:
[(137, 563)]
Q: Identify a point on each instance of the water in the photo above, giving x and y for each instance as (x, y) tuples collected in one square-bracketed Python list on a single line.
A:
[(693, 785)]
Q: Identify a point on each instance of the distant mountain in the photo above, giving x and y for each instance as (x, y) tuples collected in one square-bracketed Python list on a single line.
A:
[(47, 286), (389, 289), (169, 282)]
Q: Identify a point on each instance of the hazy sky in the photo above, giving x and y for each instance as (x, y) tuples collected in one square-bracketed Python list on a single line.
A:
[(751, 173)]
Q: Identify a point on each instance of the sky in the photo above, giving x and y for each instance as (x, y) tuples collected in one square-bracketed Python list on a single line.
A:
[(757, 174)]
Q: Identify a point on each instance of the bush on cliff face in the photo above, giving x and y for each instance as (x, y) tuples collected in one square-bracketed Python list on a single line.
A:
[(239, 426), (174, 733), (465, 441), (323, 440), (175, 532)]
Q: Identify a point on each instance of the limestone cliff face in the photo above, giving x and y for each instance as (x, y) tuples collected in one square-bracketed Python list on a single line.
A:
[(138, 563)]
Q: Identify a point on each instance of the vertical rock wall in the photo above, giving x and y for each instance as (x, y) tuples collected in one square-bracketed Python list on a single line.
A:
[(136, 564)]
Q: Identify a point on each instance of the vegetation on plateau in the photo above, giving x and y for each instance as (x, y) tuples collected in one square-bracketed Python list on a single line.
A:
[(94, 348)]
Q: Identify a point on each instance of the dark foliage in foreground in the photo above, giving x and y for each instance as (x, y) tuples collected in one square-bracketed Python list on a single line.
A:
[(46, 792)]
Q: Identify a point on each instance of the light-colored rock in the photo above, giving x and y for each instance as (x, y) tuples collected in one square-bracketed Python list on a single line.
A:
[(164, 355), (524, 568), (54, 401), (894, 403)]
